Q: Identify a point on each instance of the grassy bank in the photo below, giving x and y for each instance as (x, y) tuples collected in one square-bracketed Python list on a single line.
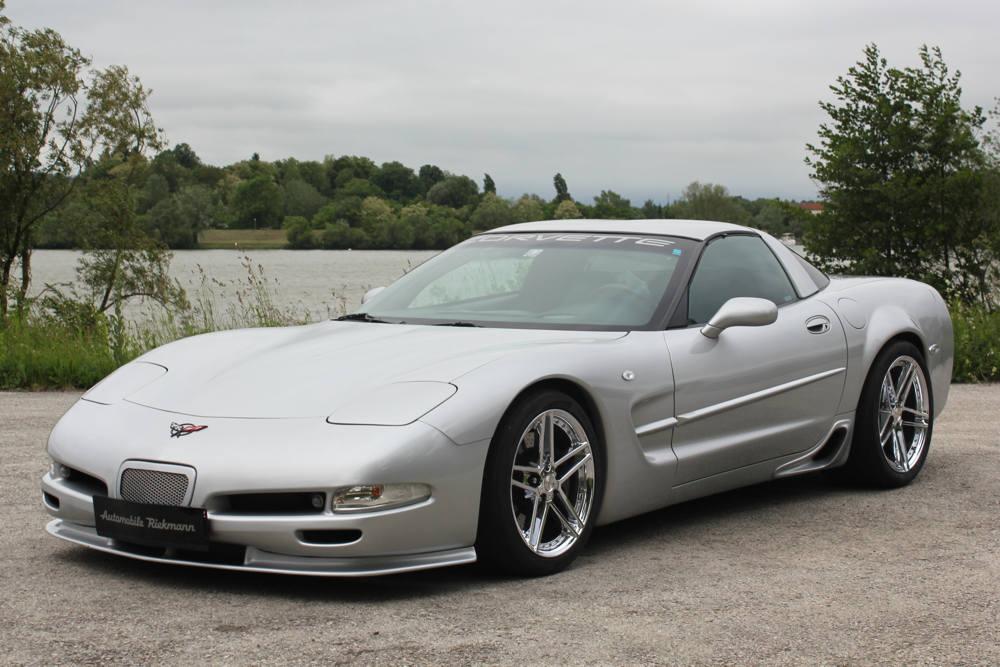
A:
[(243, 239)]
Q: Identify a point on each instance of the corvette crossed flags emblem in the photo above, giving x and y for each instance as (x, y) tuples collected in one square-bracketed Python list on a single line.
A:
[(178, 430)]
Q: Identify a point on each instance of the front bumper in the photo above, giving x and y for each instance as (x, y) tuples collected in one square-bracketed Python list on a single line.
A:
[(278, 456), (255, 560)]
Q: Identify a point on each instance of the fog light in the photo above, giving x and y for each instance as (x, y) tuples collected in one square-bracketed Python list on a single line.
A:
[(317, 500), (365, 497)]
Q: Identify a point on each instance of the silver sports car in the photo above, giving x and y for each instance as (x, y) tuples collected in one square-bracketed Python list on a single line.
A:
[(500, 401)]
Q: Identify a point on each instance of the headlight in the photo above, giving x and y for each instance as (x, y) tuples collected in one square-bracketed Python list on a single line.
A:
[(394, 404), (125, 381), (367, 497)]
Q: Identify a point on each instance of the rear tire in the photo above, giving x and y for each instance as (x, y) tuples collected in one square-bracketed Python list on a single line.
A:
[(542, 488), (894, 420)]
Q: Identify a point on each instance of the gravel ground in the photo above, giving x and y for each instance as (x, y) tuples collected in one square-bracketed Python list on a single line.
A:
[(797, 571)]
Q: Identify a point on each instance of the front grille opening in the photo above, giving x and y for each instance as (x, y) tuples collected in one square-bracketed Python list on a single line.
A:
[(83, 483), (270, 503), (50, 500), (154, 487), (329, 536)]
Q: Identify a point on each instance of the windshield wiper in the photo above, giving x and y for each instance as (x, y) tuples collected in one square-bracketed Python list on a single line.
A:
[(361, 317), (457, 323)]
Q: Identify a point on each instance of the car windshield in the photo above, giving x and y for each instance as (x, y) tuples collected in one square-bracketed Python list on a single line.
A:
[(539, 280)]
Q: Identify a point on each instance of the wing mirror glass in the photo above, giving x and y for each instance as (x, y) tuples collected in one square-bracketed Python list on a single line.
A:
[(741, 312), (371, 293)]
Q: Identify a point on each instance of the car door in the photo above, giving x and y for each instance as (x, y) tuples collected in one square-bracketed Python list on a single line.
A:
[(753, 393)]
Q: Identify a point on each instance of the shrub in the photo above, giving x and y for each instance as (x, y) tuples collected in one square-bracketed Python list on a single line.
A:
[(977, 343)]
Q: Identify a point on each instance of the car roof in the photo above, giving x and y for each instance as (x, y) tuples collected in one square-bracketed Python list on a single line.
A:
[(698, 230)]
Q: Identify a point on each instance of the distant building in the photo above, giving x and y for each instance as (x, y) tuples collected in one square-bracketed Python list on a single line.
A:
[(813, 207)]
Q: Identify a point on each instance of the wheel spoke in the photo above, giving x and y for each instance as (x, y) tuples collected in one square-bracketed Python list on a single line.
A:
[(888, 391), (569, 506), (530, 470), (565, 522), (576, 451), (899, 448), (919, 424), (905, 380), (919, 413), (539, 526), (572, 471), (885, 431), (531, 522), (549, 438), (522, 485)]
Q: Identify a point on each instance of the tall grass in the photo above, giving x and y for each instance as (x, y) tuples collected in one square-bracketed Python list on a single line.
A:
[(46, 350), (977, 344)]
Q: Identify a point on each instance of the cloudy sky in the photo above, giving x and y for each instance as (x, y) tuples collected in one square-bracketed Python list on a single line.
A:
[(640, 97)]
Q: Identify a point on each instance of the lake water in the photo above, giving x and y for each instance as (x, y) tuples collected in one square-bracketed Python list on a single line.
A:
[(319, 283)]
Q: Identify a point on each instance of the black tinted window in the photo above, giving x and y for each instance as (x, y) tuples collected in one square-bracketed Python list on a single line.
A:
[(736, 266)]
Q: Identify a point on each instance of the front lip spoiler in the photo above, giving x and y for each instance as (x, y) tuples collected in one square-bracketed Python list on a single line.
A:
[(263, 561)]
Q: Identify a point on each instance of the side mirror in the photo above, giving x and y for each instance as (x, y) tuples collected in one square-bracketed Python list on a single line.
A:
[(741, 312), (371, 293)]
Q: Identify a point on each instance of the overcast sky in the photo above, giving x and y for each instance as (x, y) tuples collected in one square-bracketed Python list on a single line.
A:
[(638, 97)]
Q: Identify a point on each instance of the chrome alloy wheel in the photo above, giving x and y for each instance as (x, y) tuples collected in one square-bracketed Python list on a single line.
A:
[(903, 414), (552, 483)]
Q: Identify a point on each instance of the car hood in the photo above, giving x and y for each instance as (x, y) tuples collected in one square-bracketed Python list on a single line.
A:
[(310, 371)]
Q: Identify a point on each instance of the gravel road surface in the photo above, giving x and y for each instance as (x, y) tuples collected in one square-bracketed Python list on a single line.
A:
[(801, 571)]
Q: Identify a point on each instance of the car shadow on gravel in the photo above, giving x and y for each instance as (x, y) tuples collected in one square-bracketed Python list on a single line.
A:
[(616, 538)]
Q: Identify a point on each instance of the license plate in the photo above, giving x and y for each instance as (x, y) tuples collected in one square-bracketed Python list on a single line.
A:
[(151, 525)]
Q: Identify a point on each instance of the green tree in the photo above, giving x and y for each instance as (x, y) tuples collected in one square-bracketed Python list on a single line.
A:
[(164, 223), (347, 210), (300, 232), (417, 217), (302, 199), (528, 208), (652, 211), (376, 218), (708, 201), (454, 191), (488, 185), (358, 187), (900, 167), (610, 205), (122, 262), (567, 210), (397, 181), (429, 176), (258, 202), (44, 142), (562, 190), (492, 212)]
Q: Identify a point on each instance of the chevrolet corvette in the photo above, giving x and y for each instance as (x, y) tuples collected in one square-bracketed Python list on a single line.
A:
[(500, 401)]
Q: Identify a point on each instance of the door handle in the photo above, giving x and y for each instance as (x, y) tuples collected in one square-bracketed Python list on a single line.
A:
[(817, 324)]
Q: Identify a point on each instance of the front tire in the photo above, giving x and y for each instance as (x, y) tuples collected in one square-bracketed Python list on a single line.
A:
[(895, 418), (542, 488)]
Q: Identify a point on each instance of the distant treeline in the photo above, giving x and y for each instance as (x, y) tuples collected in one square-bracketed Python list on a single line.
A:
[(352, 202)]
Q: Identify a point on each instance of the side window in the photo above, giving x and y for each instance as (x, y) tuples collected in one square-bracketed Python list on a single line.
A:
[(736, 266)]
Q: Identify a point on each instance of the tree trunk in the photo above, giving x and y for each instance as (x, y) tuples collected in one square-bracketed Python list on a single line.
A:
[(4, 284), (22, 291), (112, 278)]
